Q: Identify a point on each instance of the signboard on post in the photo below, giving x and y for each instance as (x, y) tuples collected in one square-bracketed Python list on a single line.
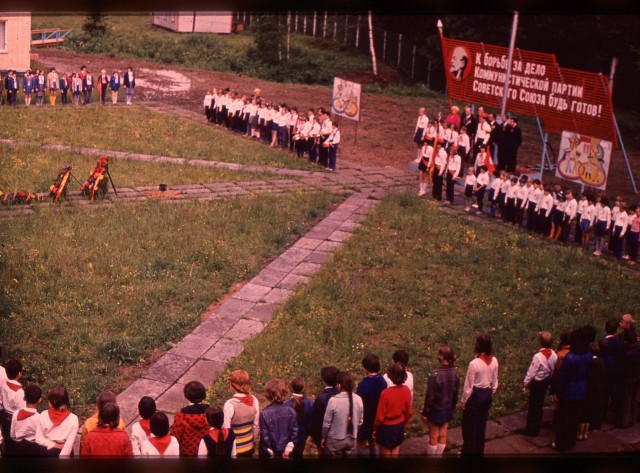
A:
[(565, 99), (584, 160), (346, 99)]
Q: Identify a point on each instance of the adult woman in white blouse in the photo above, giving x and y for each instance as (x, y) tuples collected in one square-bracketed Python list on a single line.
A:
[(480, 384)]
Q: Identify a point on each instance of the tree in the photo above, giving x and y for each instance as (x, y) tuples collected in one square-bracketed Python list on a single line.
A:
[(95, 24), (269, 39)]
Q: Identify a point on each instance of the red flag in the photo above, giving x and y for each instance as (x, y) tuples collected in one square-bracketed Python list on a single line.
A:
[(488, 161)]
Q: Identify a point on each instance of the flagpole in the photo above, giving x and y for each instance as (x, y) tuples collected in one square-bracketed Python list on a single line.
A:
[(512, 42)]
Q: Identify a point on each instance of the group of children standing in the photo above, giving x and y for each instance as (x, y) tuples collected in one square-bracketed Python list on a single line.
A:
[(79, 85), (312, 133)]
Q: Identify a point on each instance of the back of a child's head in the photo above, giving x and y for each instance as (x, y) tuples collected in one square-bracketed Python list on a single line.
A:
[(345, 380), (195, 392), (401, 356), (215, 417), (545, 339), (146, 407), (159, 424), (611, 326), (446, 355), (629, 336), (329, 375), (275, 391), (104, 397), (371, 363), (397, 373), (109, 415), (297, 385), (58, 397), (13, 368), (240, 381), (32, 394)]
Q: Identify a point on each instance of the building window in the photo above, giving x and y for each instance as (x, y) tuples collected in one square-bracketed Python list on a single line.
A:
[(3, 35)]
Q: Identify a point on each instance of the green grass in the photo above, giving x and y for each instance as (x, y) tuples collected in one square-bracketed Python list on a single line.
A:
[(414, 278), (83, 294), (26, 168), (139, 130), (134, 36)]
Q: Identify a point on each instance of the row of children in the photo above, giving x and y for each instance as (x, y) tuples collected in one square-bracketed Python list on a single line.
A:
[(372, 418), (546, 209), (311, 133), (80, 84), (587, 379)]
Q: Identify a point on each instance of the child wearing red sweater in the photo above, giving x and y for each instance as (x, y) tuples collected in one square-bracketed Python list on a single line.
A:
[(190, 424), (107, 440), (394, 413)]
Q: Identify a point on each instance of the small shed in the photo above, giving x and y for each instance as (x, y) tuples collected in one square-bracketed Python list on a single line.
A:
[(195, 21), (15, 39)]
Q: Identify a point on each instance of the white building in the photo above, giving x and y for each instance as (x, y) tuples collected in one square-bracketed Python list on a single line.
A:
[(195, 22), (15, 38)]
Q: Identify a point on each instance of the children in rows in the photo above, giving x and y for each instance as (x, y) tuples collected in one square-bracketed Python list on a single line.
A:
[(220, 441), (440, 399), (537, 382), (369, 390), (92, 422), (469, 187), (278, 422), (24, 426), (58, 427), (141, 430), (454, 163), (160, 443), (303, 408), (11, 397), (190, 423), (107, 439), (342, 419), (242, 413), (329, 375), (394, 412)]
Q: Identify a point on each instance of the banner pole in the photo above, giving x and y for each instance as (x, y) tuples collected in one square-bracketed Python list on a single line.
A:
[(512, 42)]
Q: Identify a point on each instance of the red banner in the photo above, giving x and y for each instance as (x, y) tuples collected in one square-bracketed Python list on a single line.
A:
[(564, 99)]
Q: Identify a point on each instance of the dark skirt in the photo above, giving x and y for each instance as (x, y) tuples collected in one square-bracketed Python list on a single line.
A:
[(468, 190), (390, 436), (440, 416), (558, 217), (417, 138), (422, 166)]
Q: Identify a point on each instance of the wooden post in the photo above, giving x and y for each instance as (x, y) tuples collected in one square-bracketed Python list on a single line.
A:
[(335, 27), (372, 46), (288, 34), (315, 18), (384, 46), (295, 28), (346, 28), (304, 24), (413, 62), (358, 32), (399, 48), (324, 25)]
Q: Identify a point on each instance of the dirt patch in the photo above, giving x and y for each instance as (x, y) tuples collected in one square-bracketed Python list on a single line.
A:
[(383, 137)]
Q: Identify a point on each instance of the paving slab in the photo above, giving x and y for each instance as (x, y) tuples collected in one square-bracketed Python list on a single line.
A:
[(319, 257), (234, 309), (172, 399), (169, 368), (292, 281), (213, 328), (330, 246), (306, 269), (129, 398), (339, 236), (252, 292), (204, 371), (630, 435), (278, 295), (520, 444), (269, 277), (224, 350), (245, 329), (263, 312), (308, 243), (192, 346)]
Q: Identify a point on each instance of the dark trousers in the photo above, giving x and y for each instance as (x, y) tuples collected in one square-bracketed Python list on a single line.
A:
[(566, 228), (629, 409), (437, 185), (480, 198), (632, 245), (577, 237), (537, 392), (5, 428), (617, 242), (333, 154), (474, 421), (519, 212), (568, 417), (531, 216), (323, 159), (510, 210), (313, 150), (63, 96), (451, 185)]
